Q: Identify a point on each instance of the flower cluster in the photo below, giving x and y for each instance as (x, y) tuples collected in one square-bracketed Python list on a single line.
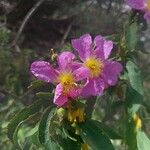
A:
[(86, 77), (143, 5)]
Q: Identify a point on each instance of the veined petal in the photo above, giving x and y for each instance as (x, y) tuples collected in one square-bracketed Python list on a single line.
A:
[(83, 46), (93, 87), (65, 60), (43, 71), (136, 4), (103, 47), (59, 98), (111, 72), (81, 73)]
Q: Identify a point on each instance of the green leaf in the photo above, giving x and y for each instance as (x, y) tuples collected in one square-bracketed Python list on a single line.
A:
[(67, 139), (68, 144), (143, 141), (36, 84), (16, 121), (32, 137), (134, 75), (133, 100), (95, 137), (108, 131), (44, 129), (46, 95), (50, 145), (134, 92), (131, 35), (131, 134)]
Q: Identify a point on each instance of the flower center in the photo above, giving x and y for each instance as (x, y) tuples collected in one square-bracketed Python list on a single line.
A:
[(95, 66), (67, 80), (148, 5)]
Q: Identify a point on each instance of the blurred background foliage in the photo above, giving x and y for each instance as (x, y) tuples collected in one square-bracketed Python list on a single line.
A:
[(52, 26)]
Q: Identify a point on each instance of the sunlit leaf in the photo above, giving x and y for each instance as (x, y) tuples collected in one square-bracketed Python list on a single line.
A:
[(143, 141), (20, 117), (135, 78), (134, 92)]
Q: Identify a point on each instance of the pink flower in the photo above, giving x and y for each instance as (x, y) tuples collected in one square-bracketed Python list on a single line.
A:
[(64, 77), (99, 71), (143, 5)]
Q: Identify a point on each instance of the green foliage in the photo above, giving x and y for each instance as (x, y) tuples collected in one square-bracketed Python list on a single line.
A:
[(131, 35), (134, 75), (44, 133), (107, 130), (4, 37), (34, 124), (131, 134), (94, 136), (23, 115), (134, 91), (143, 143)]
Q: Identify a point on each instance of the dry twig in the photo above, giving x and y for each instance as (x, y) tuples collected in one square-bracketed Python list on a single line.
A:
[(26, 19)]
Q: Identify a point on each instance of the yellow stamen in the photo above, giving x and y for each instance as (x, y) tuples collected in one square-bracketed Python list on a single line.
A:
[(67, 80), (95, 66), (138, 122), (77, 115), (84, 146)]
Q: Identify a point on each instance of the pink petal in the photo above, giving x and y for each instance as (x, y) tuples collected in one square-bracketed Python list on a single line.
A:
[(43, 71), (81, 73), (147, 16), (76, 65), (75, 92), (111, 72), (93, 87), (108, 46), (59, 98), (65, 60), (103, 47), (136, 4), (83, 46)]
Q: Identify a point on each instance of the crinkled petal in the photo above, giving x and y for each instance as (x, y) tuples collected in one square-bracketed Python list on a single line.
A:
[(83, 46), (103, 47), (99, 50), (43, 71), (59, 98), (81, 73), (93, 87), (147, 16), (111, 72), (136, 4), (75, 92), (65, 60)]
